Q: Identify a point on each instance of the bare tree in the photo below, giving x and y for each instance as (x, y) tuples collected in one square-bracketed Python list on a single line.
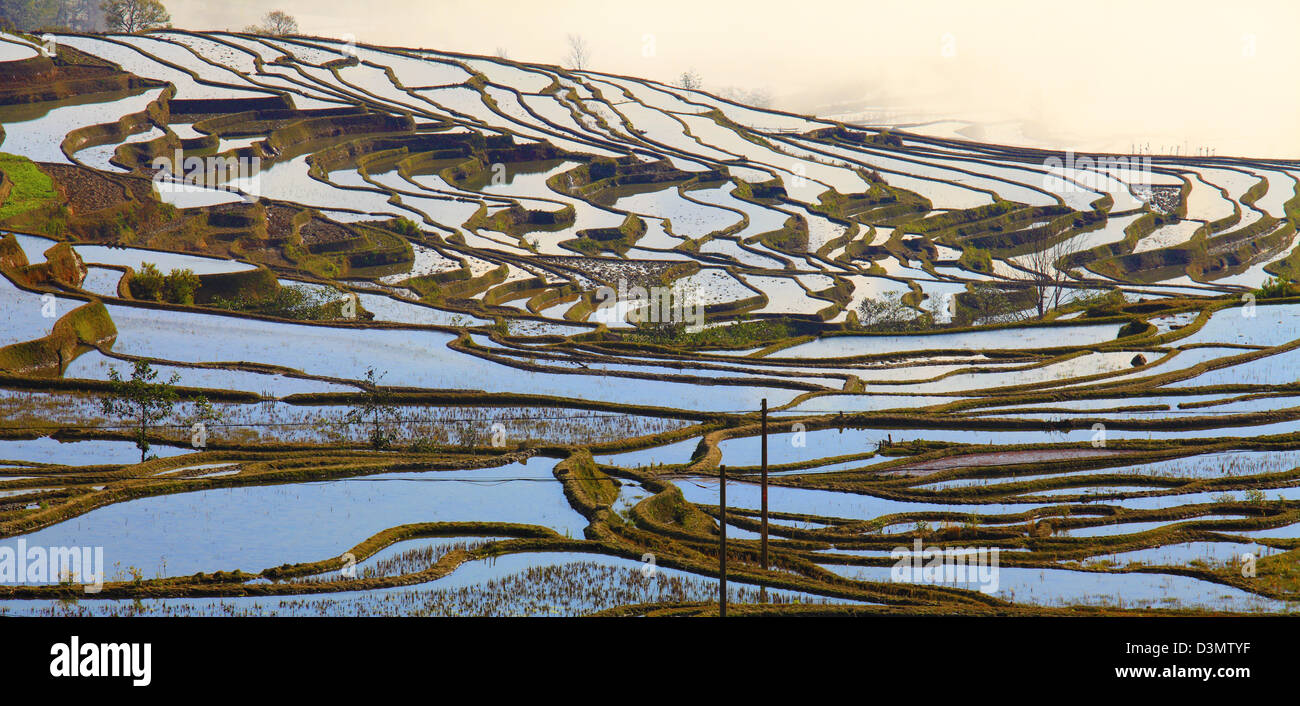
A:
[(502, 53), (690, 79), (1048, 277), (135, 15), (579, 53), (276, 23)]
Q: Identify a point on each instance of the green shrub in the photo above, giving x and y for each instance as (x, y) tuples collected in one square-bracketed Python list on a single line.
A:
[(976, 259), (1275, 288), (405, 226), (147, 283), (176, 287), (179, 286)]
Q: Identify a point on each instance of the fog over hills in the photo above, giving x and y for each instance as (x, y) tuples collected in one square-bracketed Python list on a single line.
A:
[(1099, 76)]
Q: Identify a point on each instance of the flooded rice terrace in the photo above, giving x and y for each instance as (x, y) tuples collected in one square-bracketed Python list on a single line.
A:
[(430, 334)]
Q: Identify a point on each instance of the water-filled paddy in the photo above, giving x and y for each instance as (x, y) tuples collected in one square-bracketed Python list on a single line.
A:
[(735, 206), (259, 527), (1038, 337)]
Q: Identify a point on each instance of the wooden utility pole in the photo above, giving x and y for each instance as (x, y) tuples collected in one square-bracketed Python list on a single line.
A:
[(722, 542), (763, 553)]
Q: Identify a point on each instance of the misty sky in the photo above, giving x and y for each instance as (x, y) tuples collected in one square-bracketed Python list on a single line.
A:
[(1082, 75)]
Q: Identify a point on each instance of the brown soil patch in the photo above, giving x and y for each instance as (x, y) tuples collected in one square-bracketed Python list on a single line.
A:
[(317, 232), (85, 190), (279, 221), (141, 189)]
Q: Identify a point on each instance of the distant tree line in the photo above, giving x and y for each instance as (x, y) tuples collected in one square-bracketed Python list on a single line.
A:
[(114, 16), (31, 15), (83, 15)]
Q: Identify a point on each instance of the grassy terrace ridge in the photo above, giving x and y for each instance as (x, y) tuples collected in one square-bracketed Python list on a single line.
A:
[(24, 187), (401, 322)]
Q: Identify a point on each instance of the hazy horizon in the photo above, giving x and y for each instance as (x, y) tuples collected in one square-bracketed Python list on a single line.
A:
[(1088, 76)]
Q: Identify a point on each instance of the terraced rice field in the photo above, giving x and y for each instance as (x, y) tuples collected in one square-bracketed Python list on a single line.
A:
[(470, 336)]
